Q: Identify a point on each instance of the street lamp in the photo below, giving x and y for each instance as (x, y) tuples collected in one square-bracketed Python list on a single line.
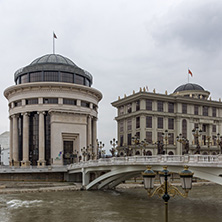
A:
[(166, 137), (209, 142), (144, 144), (185, 142), (219, 142), (114, 144), (84, 153), (100, 146), (197, 133), (166, 190)]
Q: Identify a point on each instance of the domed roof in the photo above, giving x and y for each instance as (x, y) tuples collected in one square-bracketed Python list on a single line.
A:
[(53, 63), (189, 86), (53, 58)]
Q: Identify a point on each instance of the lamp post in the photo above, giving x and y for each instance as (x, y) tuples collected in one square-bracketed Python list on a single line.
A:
[(166, 137), (209, 142), (75, 156), (100, 146), (219, 142), (136, 142), (166, 190), (114, 144), (144, 144), (185, 142), (197, 133), (84, 153)]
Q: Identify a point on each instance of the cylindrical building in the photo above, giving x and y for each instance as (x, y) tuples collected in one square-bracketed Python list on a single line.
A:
[(53, 113)]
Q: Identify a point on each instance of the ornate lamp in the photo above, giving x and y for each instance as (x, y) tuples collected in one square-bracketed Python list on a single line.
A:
[(164, 173), (149, 178), (186, 179)]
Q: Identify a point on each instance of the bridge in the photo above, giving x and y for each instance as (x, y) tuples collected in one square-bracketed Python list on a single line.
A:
[(109, 172)]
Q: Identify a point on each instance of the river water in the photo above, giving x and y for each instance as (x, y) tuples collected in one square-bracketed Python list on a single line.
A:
[(204, 204)]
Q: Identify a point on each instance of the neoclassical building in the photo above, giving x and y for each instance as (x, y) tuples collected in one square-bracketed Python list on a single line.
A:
[(148, 119), (53, 113)]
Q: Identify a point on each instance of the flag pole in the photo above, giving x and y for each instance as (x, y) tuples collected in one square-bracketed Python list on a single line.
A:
[(53, 39), (188, 75)]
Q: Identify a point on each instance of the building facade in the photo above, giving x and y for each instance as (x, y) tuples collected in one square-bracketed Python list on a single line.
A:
[(4, 148), (186, 121), (53, 113)]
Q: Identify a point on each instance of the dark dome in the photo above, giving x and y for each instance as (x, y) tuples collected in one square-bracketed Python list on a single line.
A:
[(189, 86), (53, 68), (53, 58)]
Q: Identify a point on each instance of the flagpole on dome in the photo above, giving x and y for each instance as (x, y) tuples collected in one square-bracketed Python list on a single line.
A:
[(54, 37)]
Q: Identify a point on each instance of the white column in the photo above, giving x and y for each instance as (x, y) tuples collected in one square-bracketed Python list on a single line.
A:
[(95, 137), (89, 131), (142, 127), (41, 161), (11, 140), (15, 141), (25, 162)]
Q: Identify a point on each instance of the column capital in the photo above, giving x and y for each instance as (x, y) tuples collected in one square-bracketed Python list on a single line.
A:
[(41, 112), (26, 114)]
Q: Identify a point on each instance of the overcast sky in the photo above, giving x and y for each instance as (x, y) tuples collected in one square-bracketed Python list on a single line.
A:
[(124, 44)]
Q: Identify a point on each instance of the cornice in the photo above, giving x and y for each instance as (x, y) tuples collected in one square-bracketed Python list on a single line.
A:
[(51, 86)]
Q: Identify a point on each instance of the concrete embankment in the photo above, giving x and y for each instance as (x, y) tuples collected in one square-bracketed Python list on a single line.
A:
[(29, 187), (33, 187)]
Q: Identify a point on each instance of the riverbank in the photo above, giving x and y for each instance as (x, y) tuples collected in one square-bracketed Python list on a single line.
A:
[(10, 187)]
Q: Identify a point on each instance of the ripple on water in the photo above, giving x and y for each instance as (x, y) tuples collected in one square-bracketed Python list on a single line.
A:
[(19, 203)]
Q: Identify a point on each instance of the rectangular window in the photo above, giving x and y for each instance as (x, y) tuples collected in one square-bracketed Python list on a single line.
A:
[(160, 136), (31, 101), (69, 101), (121, 140), (171, 138), (79, 80), (170, 123), (214, 112), (18, 103), (129, 139), (129, 124), (137, 105), (121, 126), (171, 107), (36, 77), (121, 110), (50, 100), (51, 76), (149, 122), (85, 104), (184, 108), (149, 105), (95, 107), (205, 111), (196, 110), (129, 108), (160, 122), (138, 122), (25, 78), (214, 129), (66, 77), (159, 106), (138, 135), (149, 137)]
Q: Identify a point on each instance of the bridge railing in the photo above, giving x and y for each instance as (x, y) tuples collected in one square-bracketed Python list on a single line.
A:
[(146, 160)]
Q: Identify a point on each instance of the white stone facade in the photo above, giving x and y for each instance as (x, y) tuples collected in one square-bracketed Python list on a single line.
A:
[(44, 116), (146, 115)]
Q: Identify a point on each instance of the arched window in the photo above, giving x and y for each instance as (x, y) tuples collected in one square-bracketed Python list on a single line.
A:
[(184, 128), (148, 153), (170, 153), (137, 153)]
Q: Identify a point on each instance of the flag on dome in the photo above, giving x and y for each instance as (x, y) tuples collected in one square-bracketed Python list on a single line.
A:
[(54, 35), (189, 72)]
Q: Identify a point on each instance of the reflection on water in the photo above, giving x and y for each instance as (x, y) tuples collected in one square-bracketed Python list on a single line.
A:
[(130, 205)]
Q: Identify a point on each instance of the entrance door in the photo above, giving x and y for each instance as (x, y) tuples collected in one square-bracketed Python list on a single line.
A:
[(68, 152)]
